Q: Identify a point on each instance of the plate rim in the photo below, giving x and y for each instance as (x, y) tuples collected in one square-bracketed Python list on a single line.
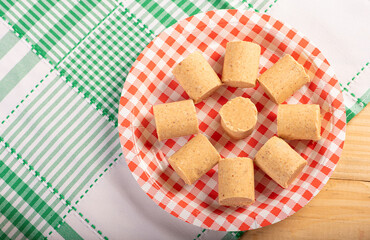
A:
[(243, 12)]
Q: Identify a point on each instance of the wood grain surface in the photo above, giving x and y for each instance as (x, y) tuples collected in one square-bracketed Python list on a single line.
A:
[(342, 208), (354, 163)]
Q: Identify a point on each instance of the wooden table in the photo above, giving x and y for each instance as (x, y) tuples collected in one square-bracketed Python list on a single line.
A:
[(342, 208)]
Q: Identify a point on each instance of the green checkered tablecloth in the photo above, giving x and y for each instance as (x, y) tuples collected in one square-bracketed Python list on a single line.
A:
[(62, 68)]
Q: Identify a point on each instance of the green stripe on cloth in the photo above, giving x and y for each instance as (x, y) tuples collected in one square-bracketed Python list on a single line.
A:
[(26, 193), (30, 18), (55, 27), (349, 114), (5, 6), (233, 235), (74, 16), (158, 12), (32, 199), (18, 72), (52, 142), (67, 102), (358, 106), (22, 115), (30, 196), (7, 42), (262, 4), (3, 236), (67, 232), (77, 140), (88, 138), (159, 15), (101, 63), (188, 7), (18, 220), (68, 175), (91, 174), (221, 4), (24, 226)]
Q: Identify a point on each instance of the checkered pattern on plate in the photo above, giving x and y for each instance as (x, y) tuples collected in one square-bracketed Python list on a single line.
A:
[(150, 82)]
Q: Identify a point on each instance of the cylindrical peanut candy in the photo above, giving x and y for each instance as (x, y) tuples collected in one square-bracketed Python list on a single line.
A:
[(194, 159), (197, 77), (278, 160), (175, 119), (241, 64), (238, 117), (283, 79), (299, 121), (235, 182)]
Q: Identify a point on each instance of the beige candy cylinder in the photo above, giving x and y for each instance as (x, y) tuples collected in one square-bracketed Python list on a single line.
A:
[(175, 119), (194, 159), (197, 77), (236, 182), (299, 121), (284, 78), (238, 117), (241, 64), (278, 160)]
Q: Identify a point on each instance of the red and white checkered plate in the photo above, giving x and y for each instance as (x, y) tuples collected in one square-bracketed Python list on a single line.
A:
[(151, 82)]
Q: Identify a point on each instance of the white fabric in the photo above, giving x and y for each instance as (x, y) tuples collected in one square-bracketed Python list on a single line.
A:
[(340, 29)]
